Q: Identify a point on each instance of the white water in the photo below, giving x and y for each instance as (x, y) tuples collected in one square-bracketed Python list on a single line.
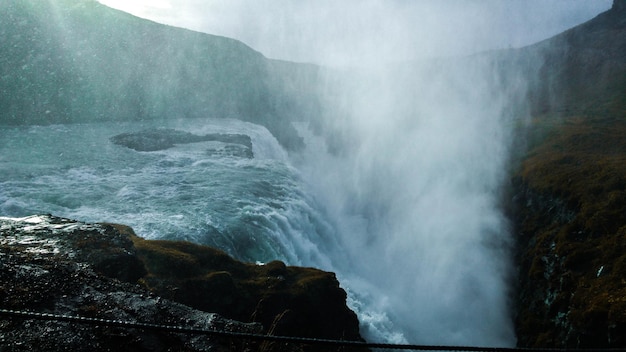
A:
[(415, 194)]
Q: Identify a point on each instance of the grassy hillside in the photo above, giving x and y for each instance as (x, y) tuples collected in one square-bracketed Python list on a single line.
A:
[(66, 61), (571, 192)]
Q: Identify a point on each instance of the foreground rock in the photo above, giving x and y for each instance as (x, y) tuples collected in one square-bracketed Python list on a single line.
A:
[(55, 265)]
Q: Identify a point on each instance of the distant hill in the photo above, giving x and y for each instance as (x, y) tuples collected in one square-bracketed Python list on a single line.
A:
[(66, 61)]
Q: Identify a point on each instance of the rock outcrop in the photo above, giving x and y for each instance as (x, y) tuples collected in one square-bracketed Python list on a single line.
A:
[(60, 266), (165, 138)]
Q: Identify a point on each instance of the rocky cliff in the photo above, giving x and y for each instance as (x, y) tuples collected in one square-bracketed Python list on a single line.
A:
[(60, 266), (570, 191)]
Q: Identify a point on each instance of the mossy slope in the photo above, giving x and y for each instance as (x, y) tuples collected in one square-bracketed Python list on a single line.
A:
[(570, 193), (286, 300), (291, 301), (572, 223)]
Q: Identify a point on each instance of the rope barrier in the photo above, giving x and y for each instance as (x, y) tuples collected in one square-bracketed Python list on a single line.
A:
[(273, 338)]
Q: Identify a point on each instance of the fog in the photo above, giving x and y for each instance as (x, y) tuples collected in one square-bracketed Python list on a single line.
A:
[(415, 190), (345, 32), (411, 151)]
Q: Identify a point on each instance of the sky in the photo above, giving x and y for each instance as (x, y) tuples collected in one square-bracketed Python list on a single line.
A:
[(365, 31)]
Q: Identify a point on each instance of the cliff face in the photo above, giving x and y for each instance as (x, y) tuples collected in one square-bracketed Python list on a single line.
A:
[(60, 266), (68, 61), (570, 191)]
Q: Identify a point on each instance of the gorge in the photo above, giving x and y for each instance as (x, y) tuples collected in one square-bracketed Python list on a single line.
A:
[(437, 190)]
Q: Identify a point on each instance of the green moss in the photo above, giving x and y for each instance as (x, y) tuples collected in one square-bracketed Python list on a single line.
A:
[(580, 167), (210, 280), (584, 164), (164, 259)]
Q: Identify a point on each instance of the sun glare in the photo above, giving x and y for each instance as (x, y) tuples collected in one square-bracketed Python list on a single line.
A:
[(138, 7)]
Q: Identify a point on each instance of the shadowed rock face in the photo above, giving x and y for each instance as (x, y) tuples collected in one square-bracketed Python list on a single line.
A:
[(164, 138), (66, 267)]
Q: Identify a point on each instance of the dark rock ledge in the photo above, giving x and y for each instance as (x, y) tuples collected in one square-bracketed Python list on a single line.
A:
[(55, 265)]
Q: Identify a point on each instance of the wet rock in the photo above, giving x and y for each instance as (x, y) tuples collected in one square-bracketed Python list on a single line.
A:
[(55, 265), (272, 294)]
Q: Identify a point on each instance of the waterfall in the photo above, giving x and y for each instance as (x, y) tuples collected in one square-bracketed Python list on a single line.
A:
[(414, 192)]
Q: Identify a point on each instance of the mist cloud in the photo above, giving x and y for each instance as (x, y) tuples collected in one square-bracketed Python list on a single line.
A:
[(415, 193), (345, 32)]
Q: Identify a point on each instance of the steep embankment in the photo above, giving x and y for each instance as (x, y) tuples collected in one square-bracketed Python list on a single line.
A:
[(67, 61), (570, 191), (60, 266)]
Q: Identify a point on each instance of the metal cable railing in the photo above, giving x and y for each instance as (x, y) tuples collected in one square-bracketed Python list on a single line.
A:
[(273, 338)]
